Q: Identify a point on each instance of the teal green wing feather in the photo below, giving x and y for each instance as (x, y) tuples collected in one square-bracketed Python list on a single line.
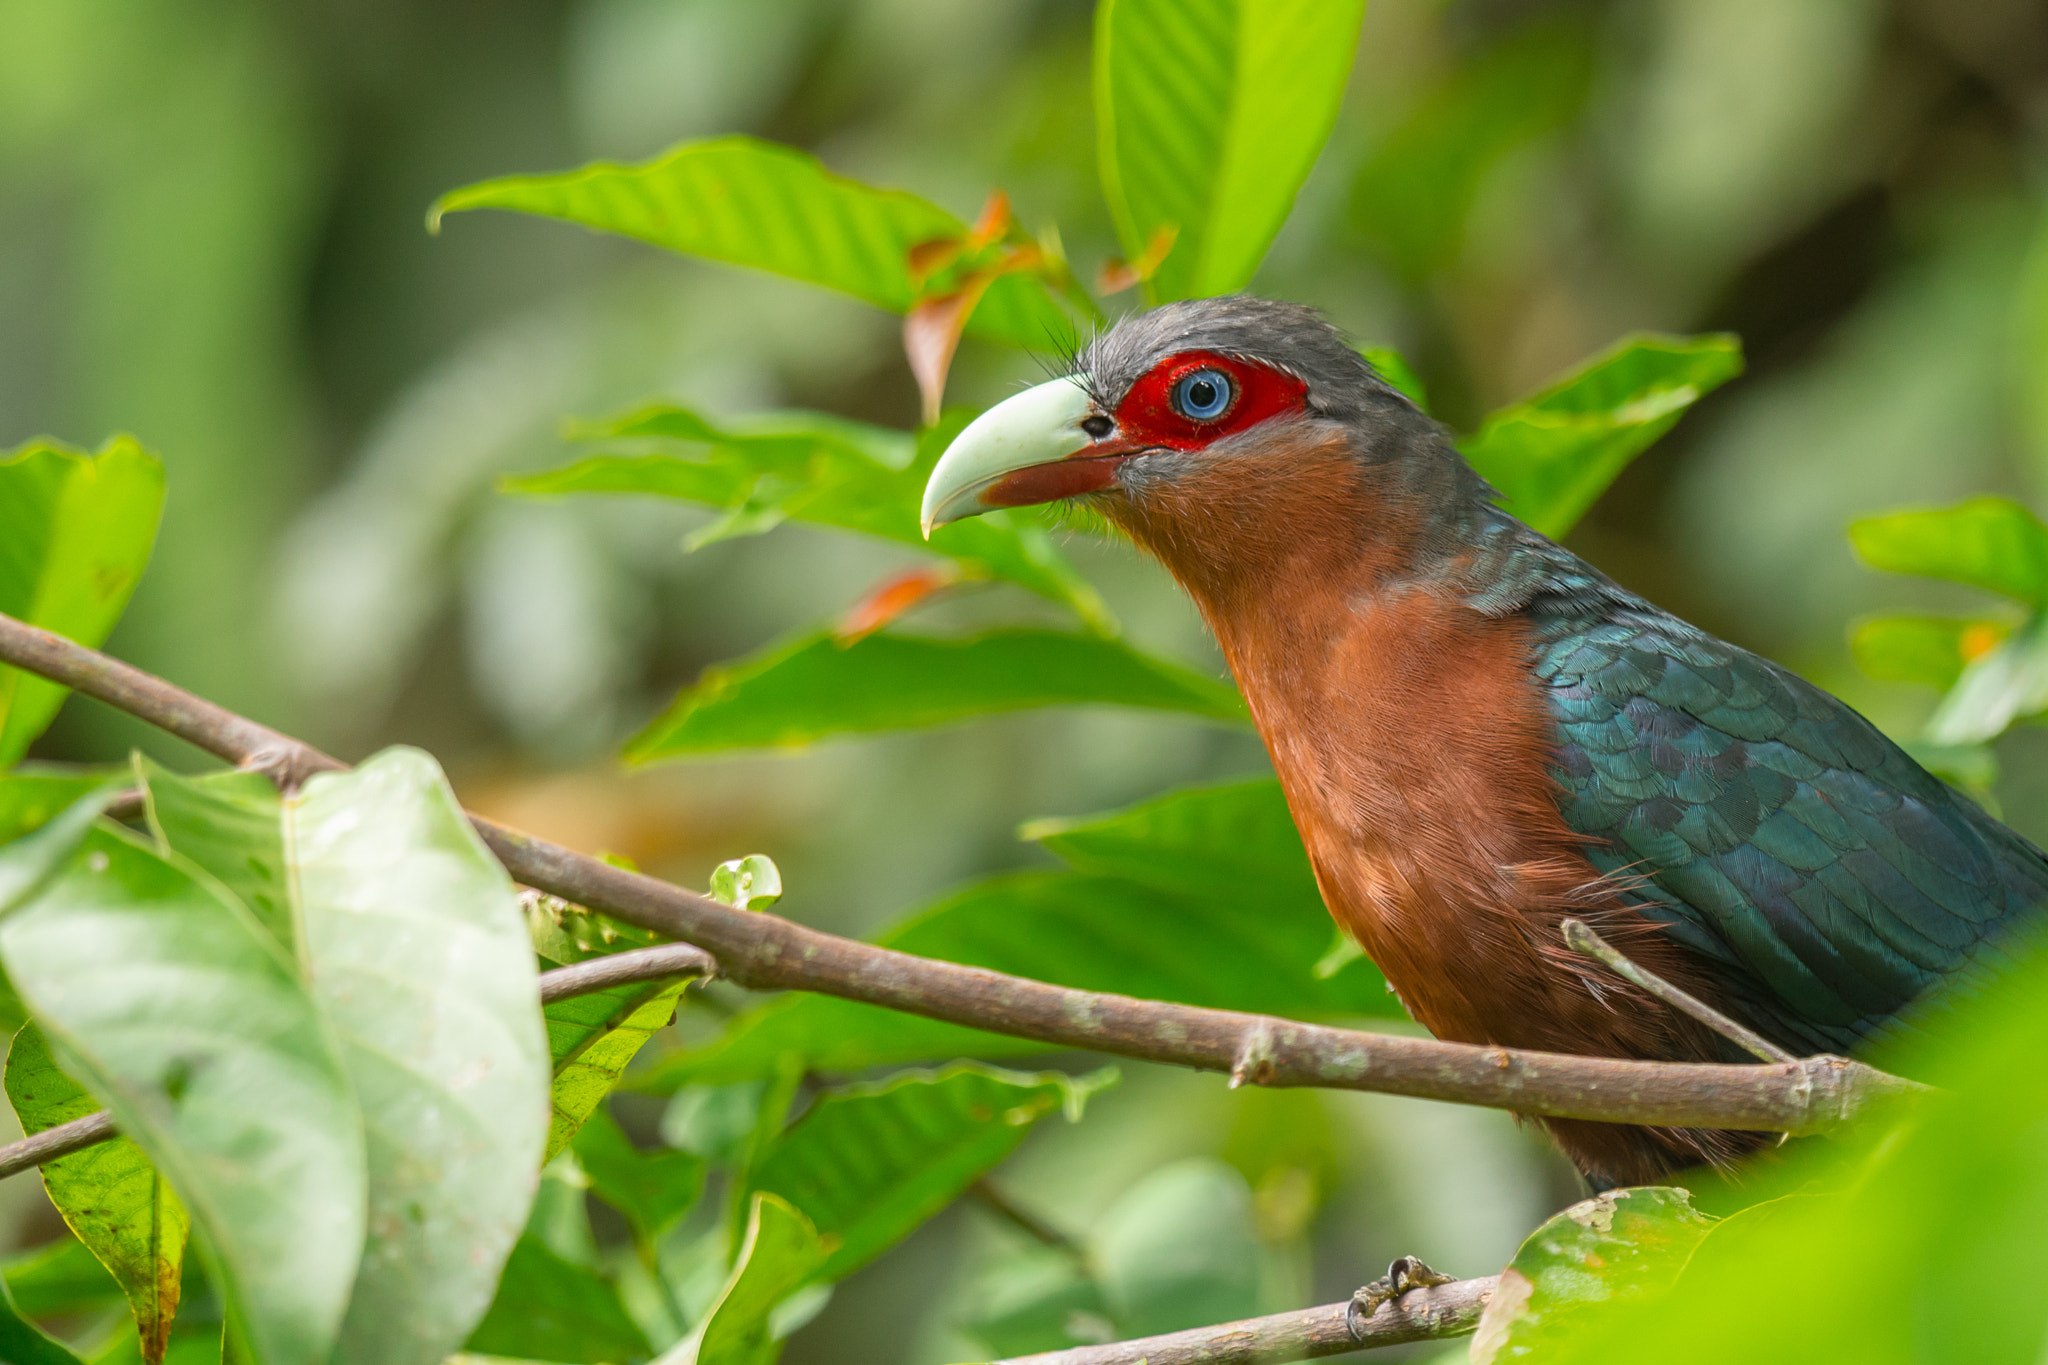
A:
[(1830, 880)]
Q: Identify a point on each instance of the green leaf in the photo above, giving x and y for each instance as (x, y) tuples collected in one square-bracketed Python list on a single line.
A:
[(1229, 841), (870, 1163), (75, 532), (1209, 114), (550, 1308), (419, 953), (814, 687), (591, 1038), (32, 861), (827, 471), (1552, 454), (232, 826), (1989, 543), (1034, 1299), (21, 1343), (780, 1253), (760, 204), (110, 1195), (1613, 1248), (1202, 897), (653, 1190), (182, 1016), (744, 882), (59, 1279), (1922, 649), (1413, 195), (1995, 689)]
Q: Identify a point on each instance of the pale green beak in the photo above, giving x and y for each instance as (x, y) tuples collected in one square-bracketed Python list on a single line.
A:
[(1039, 426)]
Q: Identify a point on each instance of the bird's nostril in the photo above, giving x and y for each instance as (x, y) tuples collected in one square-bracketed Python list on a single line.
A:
[(1097, 426)]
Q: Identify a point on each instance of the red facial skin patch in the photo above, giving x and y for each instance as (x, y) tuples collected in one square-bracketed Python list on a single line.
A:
[(1146, 417), (1146, 420)]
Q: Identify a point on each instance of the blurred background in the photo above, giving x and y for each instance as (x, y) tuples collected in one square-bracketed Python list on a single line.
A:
[(211, 236)]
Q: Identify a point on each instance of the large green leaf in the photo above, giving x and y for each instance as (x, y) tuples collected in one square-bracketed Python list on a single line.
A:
[(551, 1308), (122, 1210), (1952, 1193), (825, 470), (1227, 841), (1209, 114), (1177, 1250), (1611, 1249), (1989, 543), (230, 824), (1553, 453), (591, 1038), (60, 1278), (870, 1163), (1995, 689), (759, 204), (419, 953), (780, 1253), (75, 532), (815, 687), (1202, 897), (1413, 195), (184, 1018), (21, 1343)]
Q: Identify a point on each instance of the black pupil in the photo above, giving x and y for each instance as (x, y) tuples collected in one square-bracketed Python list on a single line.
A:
[(1202, 394)]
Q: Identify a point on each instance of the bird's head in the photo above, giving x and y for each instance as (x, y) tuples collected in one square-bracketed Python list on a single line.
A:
[(1219, 433)]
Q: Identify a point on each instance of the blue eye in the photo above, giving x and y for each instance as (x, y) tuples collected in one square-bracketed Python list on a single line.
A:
[(1203, 395)]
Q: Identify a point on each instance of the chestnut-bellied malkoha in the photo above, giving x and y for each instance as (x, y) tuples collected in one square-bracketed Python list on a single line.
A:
[(1480, 735)]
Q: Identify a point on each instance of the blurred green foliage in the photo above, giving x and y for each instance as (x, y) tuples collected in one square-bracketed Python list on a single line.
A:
[(209, 236)]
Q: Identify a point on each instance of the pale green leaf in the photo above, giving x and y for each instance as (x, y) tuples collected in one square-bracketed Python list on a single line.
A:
[(1552, 454), (748, 881), (870, 1163), (183, 1017), (1995, 689), (75, 532), (1176, 1250), (419, 953), (232, 826), (760, 204), (60, 1278), (121, 1209), (815, 687), (1991, 543), (1209, 114)]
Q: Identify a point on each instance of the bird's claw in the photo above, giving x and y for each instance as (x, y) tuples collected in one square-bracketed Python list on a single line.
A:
[(1409, 1272)]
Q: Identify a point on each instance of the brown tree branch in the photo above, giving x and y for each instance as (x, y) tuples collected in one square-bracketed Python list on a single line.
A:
[(765, 952), (1449, 1310), (59, 1140)]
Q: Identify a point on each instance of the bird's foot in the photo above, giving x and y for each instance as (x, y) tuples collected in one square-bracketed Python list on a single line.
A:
[(1410, 1272)]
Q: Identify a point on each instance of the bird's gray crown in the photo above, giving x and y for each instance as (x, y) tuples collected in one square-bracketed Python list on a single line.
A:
[(1288, 337)]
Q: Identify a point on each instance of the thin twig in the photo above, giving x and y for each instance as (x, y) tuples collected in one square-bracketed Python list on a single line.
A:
[(1579, 936), (766, 952), (583, 978), (639, 964), (60, 1140), (1449, 1310), (995, 1201)]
